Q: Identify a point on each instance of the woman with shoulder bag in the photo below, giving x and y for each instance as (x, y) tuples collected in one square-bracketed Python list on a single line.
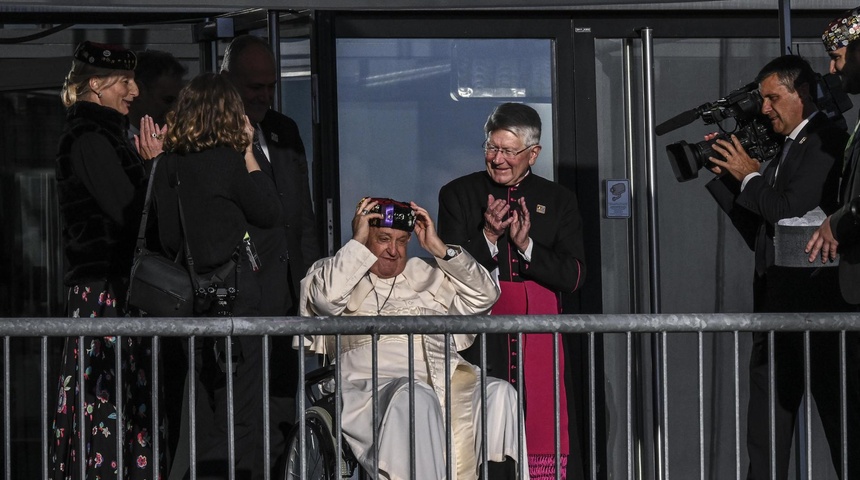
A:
[(210, 166), (209, 162)]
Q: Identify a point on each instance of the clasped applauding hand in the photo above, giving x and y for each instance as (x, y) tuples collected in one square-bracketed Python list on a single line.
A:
[(500, 217)]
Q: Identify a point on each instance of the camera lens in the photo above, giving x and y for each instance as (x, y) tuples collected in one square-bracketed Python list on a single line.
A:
[(684, 159)]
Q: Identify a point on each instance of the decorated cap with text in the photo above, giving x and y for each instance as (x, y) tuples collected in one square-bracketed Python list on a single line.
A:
[(112, 57)]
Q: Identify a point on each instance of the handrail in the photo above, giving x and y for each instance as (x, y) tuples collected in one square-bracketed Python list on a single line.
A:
[(606, 323), (638, 453)]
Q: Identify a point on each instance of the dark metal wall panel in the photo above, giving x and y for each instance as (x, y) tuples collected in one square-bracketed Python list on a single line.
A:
[(232, 5)]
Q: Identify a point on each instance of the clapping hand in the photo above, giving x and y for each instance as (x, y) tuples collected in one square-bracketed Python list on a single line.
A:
[(496, 218), (520, 225), (502, 216)]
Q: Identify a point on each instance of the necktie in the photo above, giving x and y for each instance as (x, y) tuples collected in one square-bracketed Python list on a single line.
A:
[(850, 144), (761, 244), (785, 147), (259, 154), (847, 177), (258, 149)]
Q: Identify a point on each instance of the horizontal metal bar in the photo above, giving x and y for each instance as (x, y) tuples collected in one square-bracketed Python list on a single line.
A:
[(119, 6), (222, 326)]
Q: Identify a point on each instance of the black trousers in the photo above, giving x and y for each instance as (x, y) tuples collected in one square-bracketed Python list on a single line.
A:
[(801, 290), (211, 415), (212, 446), (824, 371)]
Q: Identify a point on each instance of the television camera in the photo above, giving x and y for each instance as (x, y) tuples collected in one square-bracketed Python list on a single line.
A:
[(752, 128)]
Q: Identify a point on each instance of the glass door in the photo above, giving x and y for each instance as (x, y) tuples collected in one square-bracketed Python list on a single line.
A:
[(411, 112), (411, 97), (704, 265)]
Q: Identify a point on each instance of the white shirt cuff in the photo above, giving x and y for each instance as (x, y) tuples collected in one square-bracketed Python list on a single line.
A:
[(747, 179), (494, 249), (527, 255)]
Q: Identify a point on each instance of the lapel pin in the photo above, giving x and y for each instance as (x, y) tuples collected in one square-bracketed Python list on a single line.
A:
[(275, 137), (540, 209)]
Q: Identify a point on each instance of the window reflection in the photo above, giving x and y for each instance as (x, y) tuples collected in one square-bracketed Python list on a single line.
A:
[(30, 238), (411, 112)]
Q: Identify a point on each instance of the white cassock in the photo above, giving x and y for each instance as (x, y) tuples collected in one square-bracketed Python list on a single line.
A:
[(342, 285)]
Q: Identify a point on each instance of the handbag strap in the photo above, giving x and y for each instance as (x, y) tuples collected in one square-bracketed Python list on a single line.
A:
[(141, 232), (173, 171)]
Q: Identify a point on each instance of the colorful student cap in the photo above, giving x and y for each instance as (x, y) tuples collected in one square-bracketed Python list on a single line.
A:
[(842, 30)]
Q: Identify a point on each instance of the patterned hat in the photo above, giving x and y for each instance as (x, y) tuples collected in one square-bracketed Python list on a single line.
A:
[(842, 30), (101, 55)]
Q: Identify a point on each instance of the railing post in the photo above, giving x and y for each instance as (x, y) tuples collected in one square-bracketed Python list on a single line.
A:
[(658, 346), (7, 411)]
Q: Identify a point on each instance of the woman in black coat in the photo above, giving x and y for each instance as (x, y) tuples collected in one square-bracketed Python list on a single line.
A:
[(101, 183), (210, 164)]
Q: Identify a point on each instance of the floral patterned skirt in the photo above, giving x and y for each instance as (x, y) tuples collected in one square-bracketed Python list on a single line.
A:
[(97, 299)]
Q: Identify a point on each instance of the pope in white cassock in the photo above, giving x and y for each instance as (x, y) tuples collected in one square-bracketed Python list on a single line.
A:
[(371, 275)]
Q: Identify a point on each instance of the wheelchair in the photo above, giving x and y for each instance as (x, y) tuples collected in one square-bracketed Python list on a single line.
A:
[(320, 441)]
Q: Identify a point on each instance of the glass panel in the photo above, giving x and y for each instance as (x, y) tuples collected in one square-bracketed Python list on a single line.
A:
[(28, 209), (705, 266), (31, 284), (296, 92), (688, 73), (411, 112)]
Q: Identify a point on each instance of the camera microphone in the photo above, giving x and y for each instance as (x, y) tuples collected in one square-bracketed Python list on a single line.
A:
[(678, 121)]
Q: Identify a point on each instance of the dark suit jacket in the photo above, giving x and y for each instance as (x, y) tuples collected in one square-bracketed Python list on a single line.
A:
[(807, 178), (846, 228), (288, 249)]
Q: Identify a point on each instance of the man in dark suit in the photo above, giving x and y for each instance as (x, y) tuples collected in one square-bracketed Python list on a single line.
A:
[(287, 250), (803, 177), (839, 234)]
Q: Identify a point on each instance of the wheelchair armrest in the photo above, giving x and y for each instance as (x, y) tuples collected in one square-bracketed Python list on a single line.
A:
[(319, 383), (319, 375)]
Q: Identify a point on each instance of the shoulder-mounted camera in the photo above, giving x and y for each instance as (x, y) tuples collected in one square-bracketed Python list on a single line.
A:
[(752, 128)]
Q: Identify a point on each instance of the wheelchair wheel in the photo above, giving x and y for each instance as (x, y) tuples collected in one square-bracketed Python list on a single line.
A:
[(321, 462)]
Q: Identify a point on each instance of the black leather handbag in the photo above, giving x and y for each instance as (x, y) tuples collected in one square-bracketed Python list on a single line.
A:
[(159, 286)]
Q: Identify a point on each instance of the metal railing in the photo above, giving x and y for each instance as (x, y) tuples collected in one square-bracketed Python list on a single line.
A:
[(635, 331)]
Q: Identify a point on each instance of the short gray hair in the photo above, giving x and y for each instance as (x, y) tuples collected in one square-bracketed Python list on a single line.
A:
[(517, 118)]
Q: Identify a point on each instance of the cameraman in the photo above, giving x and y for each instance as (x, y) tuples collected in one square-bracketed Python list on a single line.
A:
[(804, 176)]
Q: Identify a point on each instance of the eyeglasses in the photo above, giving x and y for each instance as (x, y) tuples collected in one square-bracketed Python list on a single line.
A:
[(491, 151)]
